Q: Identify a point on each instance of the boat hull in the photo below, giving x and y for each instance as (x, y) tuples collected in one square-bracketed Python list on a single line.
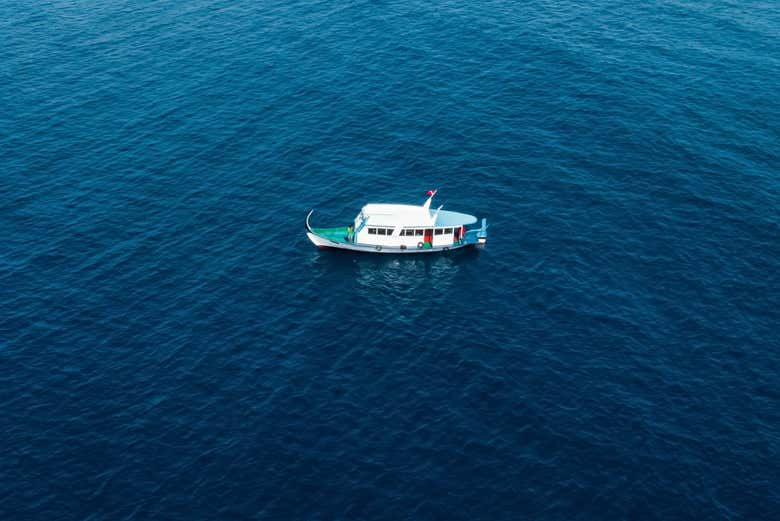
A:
[(325, 243)]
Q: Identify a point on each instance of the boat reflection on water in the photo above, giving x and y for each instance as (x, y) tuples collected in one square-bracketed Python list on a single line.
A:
[(391, 284)]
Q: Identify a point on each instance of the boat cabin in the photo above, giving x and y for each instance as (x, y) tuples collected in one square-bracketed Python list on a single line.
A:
[(408, 226)]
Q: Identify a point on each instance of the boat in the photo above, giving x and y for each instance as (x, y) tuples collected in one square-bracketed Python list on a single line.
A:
[(402, 228)]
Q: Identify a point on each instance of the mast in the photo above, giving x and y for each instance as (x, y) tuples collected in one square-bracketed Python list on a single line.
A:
[(431, 193)]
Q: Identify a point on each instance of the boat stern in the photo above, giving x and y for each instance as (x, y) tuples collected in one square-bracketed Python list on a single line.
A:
[(482, 233)]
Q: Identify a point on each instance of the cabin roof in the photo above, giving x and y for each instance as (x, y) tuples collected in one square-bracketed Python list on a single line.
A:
[(447, 218), (410, 215)]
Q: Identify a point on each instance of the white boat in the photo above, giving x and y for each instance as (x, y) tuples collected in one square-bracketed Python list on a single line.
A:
[(402, 228)]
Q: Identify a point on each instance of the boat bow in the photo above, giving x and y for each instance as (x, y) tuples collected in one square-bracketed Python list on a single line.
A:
[(308, 227)]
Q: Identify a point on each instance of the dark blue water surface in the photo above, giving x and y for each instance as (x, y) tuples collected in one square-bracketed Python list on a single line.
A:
[(172, 347)]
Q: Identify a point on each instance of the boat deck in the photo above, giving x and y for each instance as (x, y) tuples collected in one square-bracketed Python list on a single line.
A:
[(333, 234)]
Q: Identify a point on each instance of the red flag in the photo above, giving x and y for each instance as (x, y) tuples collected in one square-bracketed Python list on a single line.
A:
[(430, 192)]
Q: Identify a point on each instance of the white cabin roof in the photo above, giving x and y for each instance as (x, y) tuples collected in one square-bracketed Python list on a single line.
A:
[(411, 216), (447, 218)]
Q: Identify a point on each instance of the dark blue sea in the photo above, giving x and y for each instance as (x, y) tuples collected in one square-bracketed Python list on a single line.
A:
[(172, 347)]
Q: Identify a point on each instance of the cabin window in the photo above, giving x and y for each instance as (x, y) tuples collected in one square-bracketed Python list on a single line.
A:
[(403, 233), (390, 231), (380, 231), (438, 231), (372, 231), (418, 232), (447, 230)]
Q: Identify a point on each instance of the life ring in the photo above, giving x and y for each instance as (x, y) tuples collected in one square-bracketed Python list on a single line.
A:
[(420, 245), (378, 248)]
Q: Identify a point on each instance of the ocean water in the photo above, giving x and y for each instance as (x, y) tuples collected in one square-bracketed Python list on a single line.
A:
[(172, 347)]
